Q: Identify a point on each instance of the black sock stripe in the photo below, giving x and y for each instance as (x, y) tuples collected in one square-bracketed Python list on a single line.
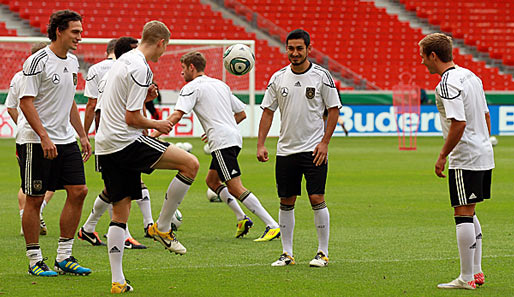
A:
[(188, 181), (319, 206), (32, 246), (117, 224), (105, 196), (244, 195), (461, 220), (286, 207), (219, 189), (64, 239)]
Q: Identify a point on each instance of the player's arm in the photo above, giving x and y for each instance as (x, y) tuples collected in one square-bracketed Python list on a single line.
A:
[(321, 151), (28, 109), (135, 119), (264, 126), (90, 114), (240, 116), (454, 135), (13, 112), (77, 125), (174, 118), (488, 122)]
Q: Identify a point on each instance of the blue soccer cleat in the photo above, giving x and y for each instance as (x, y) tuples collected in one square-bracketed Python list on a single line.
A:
[(41, 269), (70, 266)]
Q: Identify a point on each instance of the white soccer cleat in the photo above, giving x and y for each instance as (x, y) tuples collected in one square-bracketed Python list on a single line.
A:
[(458, 284), (319, 261), (284, 260)]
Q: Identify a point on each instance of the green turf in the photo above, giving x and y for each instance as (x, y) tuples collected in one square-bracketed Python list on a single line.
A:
[(392, 232)]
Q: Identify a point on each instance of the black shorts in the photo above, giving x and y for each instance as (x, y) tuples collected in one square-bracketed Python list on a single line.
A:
[(468, 186), (290, 169), (224, 161), (121, 171), (39, 174)]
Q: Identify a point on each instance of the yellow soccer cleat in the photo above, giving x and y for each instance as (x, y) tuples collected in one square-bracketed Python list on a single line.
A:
[(319, 261), (118, 288), (269, 234), (243, 227), (168, 239)]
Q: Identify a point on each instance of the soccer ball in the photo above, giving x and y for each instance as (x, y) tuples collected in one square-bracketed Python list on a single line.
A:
[(188, 147), (207, 149), (212, 196), (176, 220), (180, 145), (493, 140), (238, 59)]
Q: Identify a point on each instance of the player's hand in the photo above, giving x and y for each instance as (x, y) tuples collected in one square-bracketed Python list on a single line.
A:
[(86, 148), (152, 93), (439, 167), (204, 138), (262, 154), (320, 154), (49, 148), (155, 134), (163, 126)]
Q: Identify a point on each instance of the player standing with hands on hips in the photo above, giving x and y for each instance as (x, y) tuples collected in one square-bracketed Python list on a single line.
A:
[(302, 91), (466, 124)]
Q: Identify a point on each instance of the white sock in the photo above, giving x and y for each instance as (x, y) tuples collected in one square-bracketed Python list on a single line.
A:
[(253, 204), (115, 246), (466, 243), (232, 203), (64, 248), (21, 213), (127, 232), (477, 263), (145, 207), (286, 219), (99, 207), (42, 207), (176, 191), (34, 254), (322, 223)]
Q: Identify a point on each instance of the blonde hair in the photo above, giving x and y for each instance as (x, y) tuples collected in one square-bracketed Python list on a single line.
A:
[(154, 31), (439, 43)]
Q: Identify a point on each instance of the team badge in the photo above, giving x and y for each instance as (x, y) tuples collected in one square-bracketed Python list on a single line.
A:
[(56, 79), (284, 91), (75, 79), (38, 185), (309, 92)]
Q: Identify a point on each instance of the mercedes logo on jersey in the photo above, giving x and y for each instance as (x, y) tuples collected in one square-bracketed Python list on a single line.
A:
[(284, 91), (309, 92), (56, 79)]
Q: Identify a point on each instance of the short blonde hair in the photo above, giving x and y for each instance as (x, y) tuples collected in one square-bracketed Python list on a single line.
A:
[(439, 43), (153, 31)]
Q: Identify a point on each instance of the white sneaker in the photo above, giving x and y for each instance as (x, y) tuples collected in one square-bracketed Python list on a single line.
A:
[(284, 260), (319, 261), (168, 240), (458, 284)]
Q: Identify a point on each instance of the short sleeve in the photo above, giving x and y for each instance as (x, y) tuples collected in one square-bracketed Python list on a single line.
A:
[(12, 100), (92, 80), (270, 96), (236, 104), (450, 93), (32, 74), (329, 92), (187, 99), (139, 81)]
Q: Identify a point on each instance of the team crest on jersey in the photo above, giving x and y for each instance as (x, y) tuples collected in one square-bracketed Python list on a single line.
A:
[(309, 92), (284, 91), (75, 79), (56, 78), (38, 185)]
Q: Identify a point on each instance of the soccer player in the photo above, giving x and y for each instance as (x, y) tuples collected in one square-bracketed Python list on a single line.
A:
[(95, 77), (47, 147), (219, 113), (302, 91), (466, 127), (124, 151), (12, 103)]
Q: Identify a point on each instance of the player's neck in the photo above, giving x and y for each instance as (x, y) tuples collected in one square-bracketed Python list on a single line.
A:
[(59, 50), (197, 74), (443, 67), (302, 67), (111, 56)]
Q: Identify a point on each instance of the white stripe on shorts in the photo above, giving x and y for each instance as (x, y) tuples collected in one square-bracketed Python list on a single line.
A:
[(152, 143), (460, 187), (28, 169), (222, 164)]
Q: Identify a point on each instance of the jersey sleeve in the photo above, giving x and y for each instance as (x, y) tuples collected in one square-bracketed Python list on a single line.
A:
[(269, 100), (32, 74), (187, 99), (92, 80), (329, 92), (140, 79), (12, 100), (450, 92), (236, 104)]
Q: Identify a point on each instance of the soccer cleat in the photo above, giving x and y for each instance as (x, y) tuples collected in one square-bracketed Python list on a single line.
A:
[(319, 261), (479, 279), (91, 237), (41, 269), (42, 226), (70, 266), (146, 230), (458, 284), (269, 234), (168, 239), (243, 227), (118, 288), (284, 260), (131, 243)]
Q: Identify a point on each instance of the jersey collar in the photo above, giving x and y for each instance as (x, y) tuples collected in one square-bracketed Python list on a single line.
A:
[(453, 67), (306, 70)]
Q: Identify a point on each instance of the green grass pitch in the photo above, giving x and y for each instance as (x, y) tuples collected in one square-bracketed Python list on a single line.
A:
[(392, 231)]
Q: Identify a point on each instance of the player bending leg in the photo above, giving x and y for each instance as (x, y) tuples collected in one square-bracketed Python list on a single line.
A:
[(219, 113), (302, 91), (466, 128), (124, 152)]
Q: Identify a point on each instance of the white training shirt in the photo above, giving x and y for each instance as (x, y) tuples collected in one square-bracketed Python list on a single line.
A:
[(302, 99), (13, 98), (94, 75), (214, 105), (460, 96), (125, 89), (52, 81)]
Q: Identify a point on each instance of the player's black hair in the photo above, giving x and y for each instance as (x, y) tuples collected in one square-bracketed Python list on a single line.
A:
[(299, 34), (123, 45), (59, 20), (110, 46)]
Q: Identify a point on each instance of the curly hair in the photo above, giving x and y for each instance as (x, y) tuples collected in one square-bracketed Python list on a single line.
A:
[(59, 20)]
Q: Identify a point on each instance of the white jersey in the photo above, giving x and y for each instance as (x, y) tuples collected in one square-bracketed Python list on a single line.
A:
[(94, 75), (125, 89), (214, 105), (460, 96), (52, 81), (13, 98), (302, 98)]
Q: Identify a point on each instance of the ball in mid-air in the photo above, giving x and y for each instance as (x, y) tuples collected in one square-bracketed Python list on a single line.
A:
[(176, 220), (238, 59), (207, 149), (493, 140), (212, 196)]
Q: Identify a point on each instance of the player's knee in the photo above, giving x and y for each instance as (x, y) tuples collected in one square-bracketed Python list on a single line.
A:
[(192, 167), (287, 201), (79, 192)]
